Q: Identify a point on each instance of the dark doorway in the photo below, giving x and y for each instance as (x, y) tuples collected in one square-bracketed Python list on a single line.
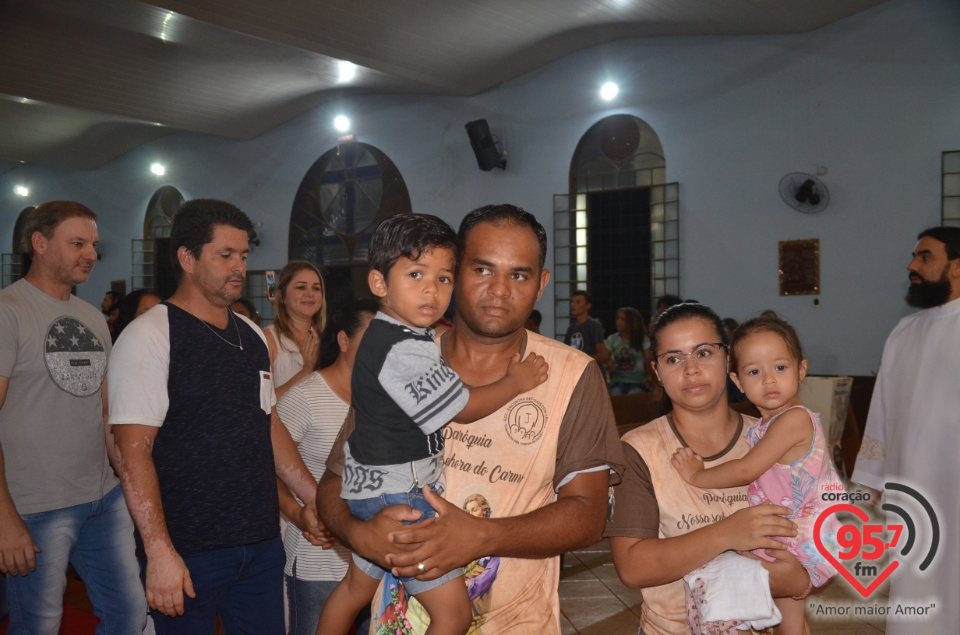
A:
[(619, 254), (165, 279)]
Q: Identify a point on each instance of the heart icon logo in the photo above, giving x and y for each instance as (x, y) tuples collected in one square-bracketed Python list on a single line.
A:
[(859, 513)]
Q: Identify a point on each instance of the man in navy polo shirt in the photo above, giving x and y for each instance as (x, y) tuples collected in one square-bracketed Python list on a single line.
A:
[(191, 406)]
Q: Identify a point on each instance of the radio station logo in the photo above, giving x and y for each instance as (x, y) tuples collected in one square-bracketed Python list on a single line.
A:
[(863, 545)]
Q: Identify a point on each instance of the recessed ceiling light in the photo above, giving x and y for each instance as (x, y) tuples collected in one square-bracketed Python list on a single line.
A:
[(341, 123), (346, 71), (21, 190), (609, 90), (158, 169)]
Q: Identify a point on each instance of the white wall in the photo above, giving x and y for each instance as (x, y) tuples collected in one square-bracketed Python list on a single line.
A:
[(874, 98)]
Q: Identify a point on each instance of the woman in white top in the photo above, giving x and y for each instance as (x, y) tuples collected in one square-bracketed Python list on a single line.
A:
[(300, 314), (313, 411)]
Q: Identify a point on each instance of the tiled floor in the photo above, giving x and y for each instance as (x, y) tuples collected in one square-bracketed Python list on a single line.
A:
[(594, 602)]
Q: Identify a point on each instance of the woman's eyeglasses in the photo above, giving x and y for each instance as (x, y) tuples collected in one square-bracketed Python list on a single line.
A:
[(704, 355)]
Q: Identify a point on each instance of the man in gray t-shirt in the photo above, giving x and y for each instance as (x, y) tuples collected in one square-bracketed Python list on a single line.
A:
[(585, 333), (53, 452)]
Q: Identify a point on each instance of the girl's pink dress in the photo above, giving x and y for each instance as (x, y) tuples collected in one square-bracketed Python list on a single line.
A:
[(799, 486)]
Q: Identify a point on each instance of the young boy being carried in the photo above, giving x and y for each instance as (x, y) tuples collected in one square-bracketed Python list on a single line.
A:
[(403, 394)]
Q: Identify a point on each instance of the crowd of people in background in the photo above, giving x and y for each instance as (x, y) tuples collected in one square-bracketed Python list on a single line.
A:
[(228, 471), (624, 355)]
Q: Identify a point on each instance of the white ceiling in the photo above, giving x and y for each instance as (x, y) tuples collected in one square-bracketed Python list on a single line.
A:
[(84, 81)]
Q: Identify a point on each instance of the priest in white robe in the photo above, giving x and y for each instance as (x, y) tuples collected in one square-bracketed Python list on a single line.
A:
[(912, 435)]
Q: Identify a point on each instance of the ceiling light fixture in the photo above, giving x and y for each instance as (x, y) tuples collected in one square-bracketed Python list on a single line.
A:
[(346, 71), (21, 190), (341, 123), (609, 90), (166, 20), (158, 169)]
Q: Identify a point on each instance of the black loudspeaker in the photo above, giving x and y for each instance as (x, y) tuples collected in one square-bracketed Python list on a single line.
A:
[(484, 146)]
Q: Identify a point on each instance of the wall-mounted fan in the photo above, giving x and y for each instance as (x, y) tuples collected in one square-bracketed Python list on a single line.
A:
[(804, 193)]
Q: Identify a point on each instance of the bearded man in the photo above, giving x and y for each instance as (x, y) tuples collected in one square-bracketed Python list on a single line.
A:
[(912, 435)]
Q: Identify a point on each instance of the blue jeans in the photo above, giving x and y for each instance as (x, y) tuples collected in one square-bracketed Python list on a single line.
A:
[(367, 508), (306, 599), (621, 388), (243, 585), (97, 539), (4, 607)]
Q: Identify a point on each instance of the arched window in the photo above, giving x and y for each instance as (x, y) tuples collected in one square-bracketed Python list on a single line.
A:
[(341, 200), (616, 234), (152, 268), (15, 264), (158, 221)]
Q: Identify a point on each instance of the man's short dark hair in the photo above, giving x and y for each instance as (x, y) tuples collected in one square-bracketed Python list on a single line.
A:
[(115, 296), (504, 213), (45, 218), (586, 295), (194, 222), (250, 307), (949, 236), (409, 236)]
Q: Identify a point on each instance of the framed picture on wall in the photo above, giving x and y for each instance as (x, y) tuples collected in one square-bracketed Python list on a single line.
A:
[(800, 267)]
